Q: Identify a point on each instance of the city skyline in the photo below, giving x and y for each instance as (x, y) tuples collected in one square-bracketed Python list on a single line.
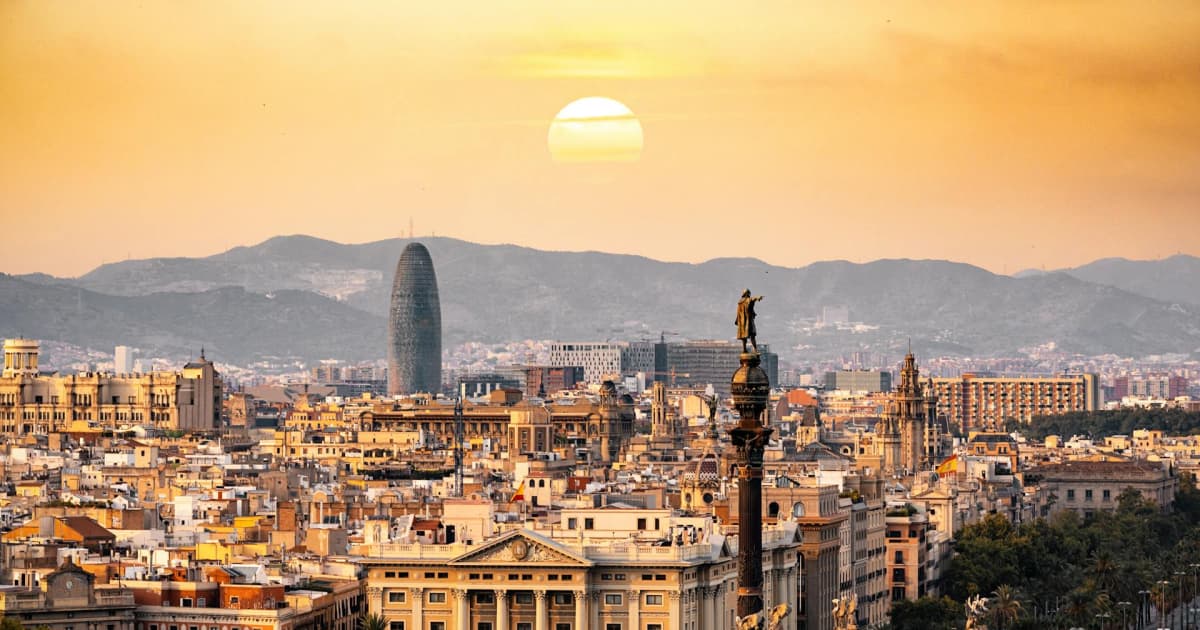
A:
[(1005, 135)]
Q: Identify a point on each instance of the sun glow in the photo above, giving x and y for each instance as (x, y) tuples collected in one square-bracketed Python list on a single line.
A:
[(595, 129)]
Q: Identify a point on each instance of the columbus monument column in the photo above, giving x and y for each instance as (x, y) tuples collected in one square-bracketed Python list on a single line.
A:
[(750, 390)]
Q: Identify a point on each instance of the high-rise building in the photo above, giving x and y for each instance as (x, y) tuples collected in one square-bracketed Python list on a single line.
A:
[(702, 363), (976, 402), (859, 380), (123, 360), (1160, 386), (604, 360), (415, 326)]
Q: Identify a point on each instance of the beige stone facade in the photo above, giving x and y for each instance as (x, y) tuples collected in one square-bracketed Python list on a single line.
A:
[(524, 580), (36, 403)]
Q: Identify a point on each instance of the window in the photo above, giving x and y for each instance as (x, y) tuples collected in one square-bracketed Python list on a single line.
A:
[(484, 625), (641, 523), (562, 626), (572, 523), (1071, 495), (396, 597), (201, 602), (1107, 495), (899, 557), (396, 625), (612, 599), (654, 626), (612, 626), (589, 523), (485, 598), (524, 598), (234, 602), (562, 599), (437, 625), (437, 597), (654, 600), (524, 626), (1087, 495), (186, 602)]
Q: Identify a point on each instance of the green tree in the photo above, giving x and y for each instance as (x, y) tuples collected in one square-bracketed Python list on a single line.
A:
[(8, 623), (1005, 606), (372, 621), (926, 613)]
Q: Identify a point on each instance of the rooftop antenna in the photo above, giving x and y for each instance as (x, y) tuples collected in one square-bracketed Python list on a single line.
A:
[(458, 442), (410, 227)]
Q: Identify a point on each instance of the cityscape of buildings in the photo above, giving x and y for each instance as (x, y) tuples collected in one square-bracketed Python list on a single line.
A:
[(577, 485)]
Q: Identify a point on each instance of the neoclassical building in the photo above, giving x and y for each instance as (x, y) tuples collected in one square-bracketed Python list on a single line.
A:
[(33, 402), (527, 580)]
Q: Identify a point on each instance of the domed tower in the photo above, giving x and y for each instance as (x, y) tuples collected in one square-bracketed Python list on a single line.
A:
[(905, 439), (415, 326), (609, 424)]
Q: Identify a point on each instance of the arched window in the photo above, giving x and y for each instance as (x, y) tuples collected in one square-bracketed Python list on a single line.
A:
[(773, 510)]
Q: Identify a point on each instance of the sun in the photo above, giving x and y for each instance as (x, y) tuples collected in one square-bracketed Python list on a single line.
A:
[(595, 129)]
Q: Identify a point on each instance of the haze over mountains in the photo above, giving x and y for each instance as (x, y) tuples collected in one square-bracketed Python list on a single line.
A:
[(298, 296)]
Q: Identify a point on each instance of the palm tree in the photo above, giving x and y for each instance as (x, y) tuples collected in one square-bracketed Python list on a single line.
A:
[(1005, 605), (371, 621)]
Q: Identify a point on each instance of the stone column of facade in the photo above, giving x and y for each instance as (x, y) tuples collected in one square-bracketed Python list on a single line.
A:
[(501, 609), (462, 610), (635, 609), (542, 621), (418, 603), (768, 589), (581, 610), (375, 600), (673, 609), (594, 600), (712, 609)]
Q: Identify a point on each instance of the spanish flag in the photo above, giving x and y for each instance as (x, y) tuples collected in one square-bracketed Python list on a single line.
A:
[(519, 495), (949, 466)]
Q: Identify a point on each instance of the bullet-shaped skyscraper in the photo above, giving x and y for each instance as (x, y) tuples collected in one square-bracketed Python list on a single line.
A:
[(415, 326)]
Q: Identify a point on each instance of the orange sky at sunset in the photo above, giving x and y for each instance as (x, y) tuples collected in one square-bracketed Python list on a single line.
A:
[(1008, 134)]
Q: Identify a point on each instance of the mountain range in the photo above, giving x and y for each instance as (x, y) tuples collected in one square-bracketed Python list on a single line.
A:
[(308, 298)]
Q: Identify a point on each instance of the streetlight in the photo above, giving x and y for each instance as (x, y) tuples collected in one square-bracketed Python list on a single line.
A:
[(1195, 590), (1124, 606), (1143, 609), (1180, 575), (1162, 599), (1101, 620)]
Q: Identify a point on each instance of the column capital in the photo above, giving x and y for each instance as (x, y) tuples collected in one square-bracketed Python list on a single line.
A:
[(500, 592), (594, 594), (580, 593), (674, 595), (375, 591), (460, 593), (416, 590), (540, 595), (633, 592)]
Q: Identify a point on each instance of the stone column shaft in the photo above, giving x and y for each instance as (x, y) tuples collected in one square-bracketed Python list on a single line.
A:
[(542, 621), (502, 610), (581, 610)]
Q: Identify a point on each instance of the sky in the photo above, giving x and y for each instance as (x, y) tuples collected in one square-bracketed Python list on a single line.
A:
[(1009, 134)]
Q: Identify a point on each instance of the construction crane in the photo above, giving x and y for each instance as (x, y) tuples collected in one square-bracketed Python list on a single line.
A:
[(671, 374)]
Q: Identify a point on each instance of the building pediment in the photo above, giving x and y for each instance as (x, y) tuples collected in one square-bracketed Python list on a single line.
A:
[(522, 547)]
